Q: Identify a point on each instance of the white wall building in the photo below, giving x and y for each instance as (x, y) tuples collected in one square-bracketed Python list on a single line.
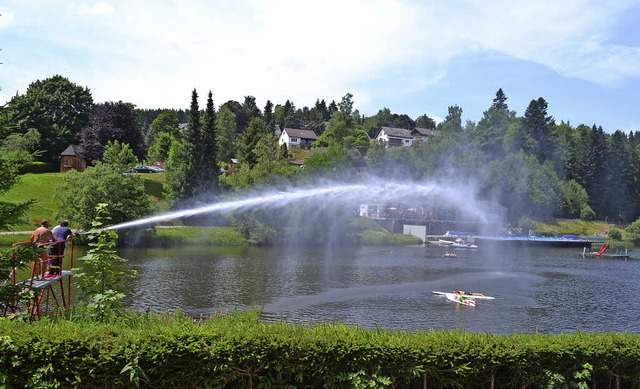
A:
[(297, 139)]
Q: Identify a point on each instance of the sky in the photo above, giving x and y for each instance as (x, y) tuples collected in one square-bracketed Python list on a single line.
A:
[(412, 57)]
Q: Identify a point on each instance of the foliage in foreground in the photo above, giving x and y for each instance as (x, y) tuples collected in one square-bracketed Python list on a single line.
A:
[(239, 350), (13, 296), (104, 276)]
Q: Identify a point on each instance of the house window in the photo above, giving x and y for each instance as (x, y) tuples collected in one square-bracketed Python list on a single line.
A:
[(293, 140)]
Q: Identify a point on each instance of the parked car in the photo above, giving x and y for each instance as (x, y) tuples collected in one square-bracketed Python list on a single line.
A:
[(144, 169)]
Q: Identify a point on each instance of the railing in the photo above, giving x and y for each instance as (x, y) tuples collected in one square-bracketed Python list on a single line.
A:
[(47, 270)]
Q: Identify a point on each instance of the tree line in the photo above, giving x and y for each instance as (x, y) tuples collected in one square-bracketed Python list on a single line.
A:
[(531, 164)]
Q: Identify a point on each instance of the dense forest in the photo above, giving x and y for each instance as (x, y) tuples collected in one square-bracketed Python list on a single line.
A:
[(532, 165)]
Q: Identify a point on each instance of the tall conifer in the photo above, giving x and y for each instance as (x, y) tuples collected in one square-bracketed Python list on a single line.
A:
[(184, 165), (210, 169)]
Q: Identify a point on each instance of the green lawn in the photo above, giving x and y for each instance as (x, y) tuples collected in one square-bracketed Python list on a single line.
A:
[(42, 187), (39, 187)]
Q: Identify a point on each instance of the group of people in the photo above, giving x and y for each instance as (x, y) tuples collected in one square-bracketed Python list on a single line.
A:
[(58, 236)]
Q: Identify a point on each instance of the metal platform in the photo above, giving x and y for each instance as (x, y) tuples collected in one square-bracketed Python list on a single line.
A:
[(39, 284)]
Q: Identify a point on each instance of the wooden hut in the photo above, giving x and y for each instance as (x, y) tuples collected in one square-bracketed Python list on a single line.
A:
[(70, 159)]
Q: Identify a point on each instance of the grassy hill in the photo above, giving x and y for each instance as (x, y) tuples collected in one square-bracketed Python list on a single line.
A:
[(38, 187), (42, 188)]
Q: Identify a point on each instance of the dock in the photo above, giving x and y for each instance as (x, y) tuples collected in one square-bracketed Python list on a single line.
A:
[(553, 241), (618, 254)]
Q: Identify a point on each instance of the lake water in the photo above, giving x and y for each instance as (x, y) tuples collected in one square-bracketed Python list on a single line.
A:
[(551, 290)]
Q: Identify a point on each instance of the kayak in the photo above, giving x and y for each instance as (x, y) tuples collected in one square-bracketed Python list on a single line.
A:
[(477, 296), (458, 245), (461, 299)]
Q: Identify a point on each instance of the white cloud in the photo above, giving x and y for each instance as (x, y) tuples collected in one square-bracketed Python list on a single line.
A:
[(567, 36), (6, 17), (100, 8), (155, 53)]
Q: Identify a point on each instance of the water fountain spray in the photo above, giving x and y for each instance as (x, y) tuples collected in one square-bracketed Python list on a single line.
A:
[(365, 192)]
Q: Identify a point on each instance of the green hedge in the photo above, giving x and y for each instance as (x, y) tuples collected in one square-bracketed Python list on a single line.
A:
[(39, 167), (238, 350)]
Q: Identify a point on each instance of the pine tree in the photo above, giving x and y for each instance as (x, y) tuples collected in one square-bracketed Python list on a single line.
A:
[(226, 134), (538, 125), (210, 170), (268, 116), (621, 174), (321, 106), (247, 142), (250, 107), (596, 186), (500, 101), (491, 129), (185, 163)]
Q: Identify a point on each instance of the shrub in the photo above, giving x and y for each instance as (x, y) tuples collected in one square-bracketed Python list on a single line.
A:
[(37, 167), (239, 350), (587, 213), (527, 223), (615, 233), (632, 232), (104, 276)]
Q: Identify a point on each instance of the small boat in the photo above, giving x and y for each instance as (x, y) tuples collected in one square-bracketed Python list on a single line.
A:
[(450, 255), (463, 244), (460, 299), (476, 296)]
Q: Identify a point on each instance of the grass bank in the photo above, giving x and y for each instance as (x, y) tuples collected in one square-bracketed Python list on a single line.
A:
[(198, 236), (574, 226)]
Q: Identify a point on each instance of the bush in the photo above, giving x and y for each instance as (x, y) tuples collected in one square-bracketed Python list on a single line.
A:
[(527, 223), (238, 350), (587, 213), (632, 232), (254, 231), (38, 167), (615, 233)]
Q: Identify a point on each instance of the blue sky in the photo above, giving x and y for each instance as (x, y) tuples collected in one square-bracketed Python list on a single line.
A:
[(413, 57)]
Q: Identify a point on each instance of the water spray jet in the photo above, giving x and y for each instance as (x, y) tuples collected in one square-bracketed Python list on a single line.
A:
[(364, 192)]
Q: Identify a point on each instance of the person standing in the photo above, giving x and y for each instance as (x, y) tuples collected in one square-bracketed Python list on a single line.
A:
[(61, 234), (42, 234)]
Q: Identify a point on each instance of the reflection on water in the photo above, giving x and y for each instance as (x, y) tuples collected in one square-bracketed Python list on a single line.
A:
[(536, 289)]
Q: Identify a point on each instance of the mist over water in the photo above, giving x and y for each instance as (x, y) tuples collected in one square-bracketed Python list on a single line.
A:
[(331, 194)]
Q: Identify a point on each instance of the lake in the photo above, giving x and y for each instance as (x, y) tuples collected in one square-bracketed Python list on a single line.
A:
[(550, 290)]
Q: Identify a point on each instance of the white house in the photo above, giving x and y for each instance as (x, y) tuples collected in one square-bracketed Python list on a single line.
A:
[(297, 139), (395, 137)]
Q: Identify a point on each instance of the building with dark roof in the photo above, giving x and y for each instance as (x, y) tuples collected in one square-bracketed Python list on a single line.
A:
[(297, 139), (395, 137), (71, 159)]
